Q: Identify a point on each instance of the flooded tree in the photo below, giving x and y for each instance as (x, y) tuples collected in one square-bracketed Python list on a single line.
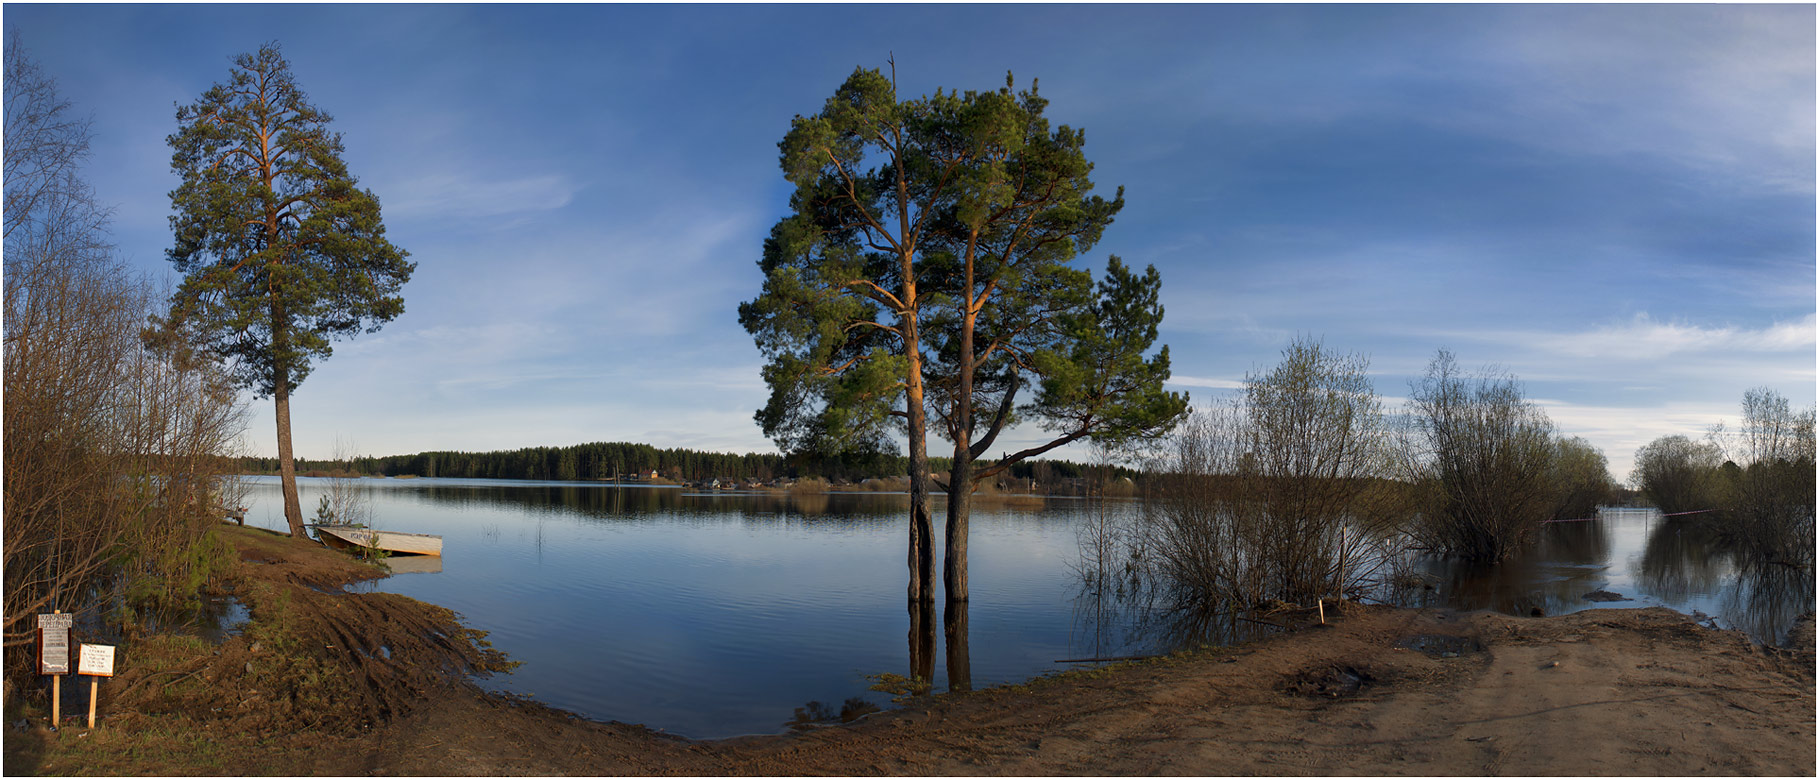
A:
[(1769, 497), (839, 321), (1678, 474), (280, 251), (1278, 494), (1482, 458), (1582, 477), (925, 263)]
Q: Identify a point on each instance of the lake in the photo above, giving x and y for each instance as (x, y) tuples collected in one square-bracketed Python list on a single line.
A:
[(720, 614)]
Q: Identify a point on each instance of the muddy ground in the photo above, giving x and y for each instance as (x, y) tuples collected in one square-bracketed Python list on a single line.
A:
[(1378, 691)]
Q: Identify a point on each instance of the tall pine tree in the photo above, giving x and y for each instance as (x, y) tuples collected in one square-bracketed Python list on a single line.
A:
[(280, 251)]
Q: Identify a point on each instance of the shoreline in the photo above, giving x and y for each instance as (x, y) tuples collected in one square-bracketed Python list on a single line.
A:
[(1380, 690)]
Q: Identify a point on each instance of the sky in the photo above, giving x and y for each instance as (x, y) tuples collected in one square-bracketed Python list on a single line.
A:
[(1613, 203)]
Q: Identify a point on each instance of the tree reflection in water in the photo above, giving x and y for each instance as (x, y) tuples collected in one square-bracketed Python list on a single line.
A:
[(1766, 600), (1681, 560), (922, 642), (959, 658), (1650, 560)]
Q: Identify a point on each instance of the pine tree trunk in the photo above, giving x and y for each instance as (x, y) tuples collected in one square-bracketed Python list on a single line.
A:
[(281, 399), (287, 466), (959, 511), (922, 528), (960, 479)]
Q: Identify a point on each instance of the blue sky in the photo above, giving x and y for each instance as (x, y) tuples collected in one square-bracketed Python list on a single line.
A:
[(1615, 203)]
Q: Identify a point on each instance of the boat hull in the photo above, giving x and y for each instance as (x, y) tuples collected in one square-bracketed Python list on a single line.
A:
[(395, 542)]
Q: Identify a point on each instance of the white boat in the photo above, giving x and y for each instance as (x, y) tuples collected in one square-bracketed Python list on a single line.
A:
[(396, 542)]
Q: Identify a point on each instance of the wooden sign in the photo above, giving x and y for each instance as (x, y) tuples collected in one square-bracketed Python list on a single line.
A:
[(96, 660), (53, 643)]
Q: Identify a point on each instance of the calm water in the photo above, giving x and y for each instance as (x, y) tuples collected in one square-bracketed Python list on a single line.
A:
[(713, 615)]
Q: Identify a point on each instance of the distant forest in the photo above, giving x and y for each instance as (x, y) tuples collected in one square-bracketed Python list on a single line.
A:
[(610, 460)]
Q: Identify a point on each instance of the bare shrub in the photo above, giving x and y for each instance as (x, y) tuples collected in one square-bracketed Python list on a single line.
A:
[(1275, 495), (1769, 495), (1482, 458), (345, 501), (113, 452)]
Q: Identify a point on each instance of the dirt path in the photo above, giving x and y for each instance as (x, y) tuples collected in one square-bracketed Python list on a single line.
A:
[(1380, 691), (1630, 692)]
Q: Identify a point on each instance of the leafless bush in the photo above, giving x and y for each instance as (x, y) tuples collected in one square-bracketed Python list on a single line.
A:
[(345, 501), (1276, 495), (1110, 543), (1769, 494), (1483, 459), (112, 451)]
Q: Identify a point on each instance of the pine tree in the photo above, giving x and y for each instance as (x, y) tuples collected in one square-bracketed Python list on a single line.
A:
[(280, 251)]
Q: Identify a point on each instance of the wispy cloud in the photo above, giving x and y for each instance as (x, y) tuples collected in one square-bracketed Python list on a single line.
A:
[(1215, 384), (1619, 430), (454, 196), (1645, 338)]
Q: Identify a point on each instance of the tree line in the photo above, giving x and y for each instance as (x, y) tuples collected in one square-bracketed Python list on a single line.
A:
[(618, 460)]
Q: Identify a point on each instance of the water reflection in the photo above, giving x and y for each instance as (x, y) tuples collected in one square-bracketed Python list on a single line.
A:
[(719, 614), (959, 658), (1567, 561), (645, 503), (1636, 553), (922, 642), (1765, 601), (1682, 559)]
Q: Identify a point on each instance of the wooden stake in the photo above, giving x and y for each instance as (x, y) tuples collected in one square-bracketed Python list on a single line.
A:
[(57, 690), (94, 690), (1321, 603)]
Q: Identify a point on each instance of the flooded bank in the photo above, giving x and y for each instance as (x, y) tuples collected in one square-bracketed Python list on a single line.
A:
[(715, 615), (1625, 557)]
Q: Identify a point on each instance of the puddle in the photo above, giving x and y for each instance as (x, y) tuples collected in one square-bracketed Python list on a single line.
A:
[(1605, 595), (222, 617), (1440, 645), (1333, 682), (217, 618), (816, 714)]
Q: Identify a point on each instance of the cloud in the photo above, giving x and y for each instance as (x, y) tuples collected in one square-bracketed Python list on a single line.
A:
[(1645, 338), (1618, 431), (449, 196), (1724, 90), (1216, 384)]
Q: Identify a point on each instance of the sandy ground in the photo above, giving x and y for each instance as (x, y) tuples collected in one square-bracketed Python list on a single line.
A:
[(1379, 691), (1605, 692)]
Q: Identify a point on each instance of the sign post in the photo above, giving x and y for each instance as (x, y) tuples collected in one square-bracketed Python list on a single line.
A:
[(97, 661), (53, 656)]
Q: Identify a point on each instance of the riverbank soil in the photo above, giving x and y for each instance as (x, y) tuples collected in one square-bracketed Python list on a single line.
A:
[(1377, 691)]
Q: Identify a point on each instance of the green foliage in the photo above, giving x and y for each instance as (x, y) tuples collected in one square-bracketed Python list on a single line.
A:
[(170, 582), (1098, 381), (279, 249), (1582, 477), (325, 514)]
